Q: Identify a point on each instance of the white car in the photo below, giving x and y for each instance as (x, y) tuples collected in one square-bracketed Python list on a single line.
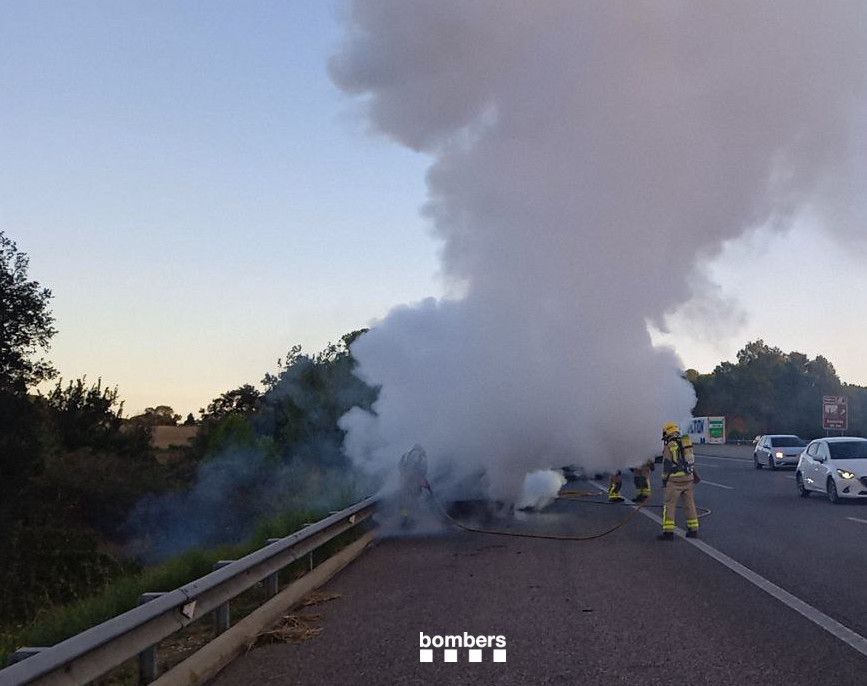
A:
[(835, 466), (775, 450)]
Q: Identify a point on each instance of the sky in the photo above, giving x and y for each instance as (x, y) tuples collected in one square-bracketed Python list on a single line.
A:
[(200, 196)]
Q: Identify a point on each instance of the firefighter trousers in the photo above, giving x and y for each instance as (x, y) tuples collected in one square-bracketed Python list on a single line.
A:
[(679, 487), (641, 479)]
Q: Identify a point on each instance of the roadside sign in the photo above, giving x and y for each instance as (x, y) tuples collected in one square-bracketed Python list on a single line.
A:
[(716, 429), (835, 412)]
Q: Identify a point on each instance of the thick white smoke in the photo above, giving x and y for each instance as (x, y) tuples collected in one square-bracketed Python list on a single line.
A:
[(539, 489), (586, 156)]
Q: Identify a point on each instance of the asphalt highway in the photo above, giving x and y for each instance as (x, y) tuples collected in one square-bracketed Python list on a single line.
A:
[(815, 550), (623, 609)]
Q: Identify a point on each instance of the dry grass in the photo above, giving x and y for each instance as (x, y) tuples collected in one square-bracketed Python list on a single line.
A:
[(297, 627), (164, 437), (318, 597), (291, 629)]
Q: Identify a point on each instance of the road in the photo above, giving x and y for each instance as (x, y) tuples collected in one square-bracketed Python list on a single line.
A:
[(622, 609), (813, 549)]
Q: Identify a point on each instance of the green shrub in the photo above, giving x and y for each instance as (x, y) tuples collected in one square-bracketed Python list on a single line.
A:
[(60, 621)]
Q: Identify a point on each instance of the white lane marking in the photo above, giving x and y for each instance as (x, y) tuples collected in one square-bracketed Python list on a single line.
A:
[(855, 519), (725, 459), (832, 626), (728, 467), (714, 483)]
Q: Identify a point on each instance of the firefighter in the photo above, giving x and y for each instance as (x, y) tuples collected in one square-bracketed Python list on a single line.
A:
[(679, 478), (614, 488), (641, 479), (413, 480)]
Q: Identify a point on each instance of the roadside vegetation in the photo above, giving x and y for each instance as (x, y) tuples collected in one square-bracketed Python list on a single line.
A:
[(59, 621), (93, 514), (769, 391)]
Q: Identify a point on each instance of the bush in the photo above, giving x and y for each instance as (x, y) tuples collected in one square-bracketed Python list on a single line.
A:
[(64, 619), (48, 565), (98, 489)]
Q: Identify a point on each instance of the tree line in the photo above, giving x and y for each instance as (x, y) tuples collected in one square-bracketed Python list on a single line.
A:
[(80, 482), (768, 391)]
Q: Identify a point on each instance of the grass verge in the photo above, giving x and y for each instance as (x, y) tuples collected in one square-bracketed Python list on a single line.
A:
[(55, 624)]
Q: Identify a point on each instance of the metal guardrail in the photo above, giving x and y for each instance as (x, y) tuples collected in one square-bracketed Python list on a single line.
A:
[(93, 653)]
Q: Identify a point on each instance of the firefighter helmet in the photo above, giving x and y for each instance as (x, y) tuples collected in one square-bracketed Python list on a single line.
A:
[(670, 429)]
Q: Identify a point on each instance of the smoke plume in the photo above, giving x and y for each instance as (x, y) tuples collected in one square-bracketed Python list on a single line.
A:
[(540, 488), (586, 157)]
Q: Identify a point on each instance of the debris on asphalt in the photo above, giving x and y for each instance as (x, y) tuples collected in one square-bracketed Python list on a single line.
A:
[(290, 629), (294, 627), (319, 597)]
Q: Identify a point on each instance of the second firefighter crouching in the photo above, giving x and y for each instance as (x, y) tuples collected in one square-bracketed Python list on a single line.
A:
[(641, 479), (679, 478)]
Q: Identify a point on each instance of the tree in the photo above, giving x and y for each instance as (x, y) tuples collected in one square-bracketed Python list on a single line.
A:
[(244, 400), (190, 420), (162, 415), (90, 416), (304, 401), (26, 323), (26, 326)]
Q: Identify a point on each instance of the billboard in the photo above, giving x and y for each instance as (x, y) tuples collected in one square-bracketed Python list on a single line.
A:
[(835, 412), (707, 429), (716, 429)]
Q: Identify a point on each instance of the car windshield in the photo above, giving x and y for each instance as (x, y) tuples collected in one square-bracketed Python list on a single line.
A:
[(787, 442), (849, 450)]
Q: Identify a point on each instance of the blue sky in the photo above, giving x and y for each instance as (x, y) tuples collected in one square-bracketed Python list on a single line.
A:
[(195, 190), (200, 196)]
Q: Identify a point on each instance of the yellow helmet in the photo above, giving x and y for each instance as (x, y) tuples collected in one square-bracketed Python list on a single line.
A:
[(670, 429)]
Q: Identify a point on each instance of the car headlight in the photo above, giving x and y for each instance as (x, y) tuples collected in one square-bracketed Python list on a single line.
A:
[(845, 474), (779, 455)]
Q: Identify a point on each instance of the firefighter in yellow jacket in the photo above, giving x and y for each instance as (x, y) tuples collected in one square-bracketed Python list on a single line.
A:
[(641, 479), (679, 478)]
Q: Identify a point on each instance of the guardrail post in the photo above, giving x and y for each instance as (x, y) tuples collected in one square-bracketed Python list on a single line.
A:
[(223, 613), (310, 554), (147, 658), (272, 582), (24, 653)]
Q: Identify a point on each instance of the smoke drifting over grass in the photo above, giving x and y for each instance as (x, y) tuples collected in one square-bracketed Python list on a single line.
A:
[(586, 156), (235, 493), (271, 455)]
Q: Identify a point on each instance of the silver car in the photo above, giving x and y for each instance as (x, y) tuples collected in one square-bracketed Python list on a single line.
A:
[(776, 450)]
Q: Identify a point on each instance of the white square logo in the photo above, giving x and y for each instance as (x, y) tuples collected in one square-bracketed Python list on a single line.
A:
[(463, 646)]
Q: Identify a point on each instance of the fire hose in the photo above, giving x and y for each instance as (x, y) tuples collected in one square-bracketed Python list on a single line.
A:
[(566, 495)]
